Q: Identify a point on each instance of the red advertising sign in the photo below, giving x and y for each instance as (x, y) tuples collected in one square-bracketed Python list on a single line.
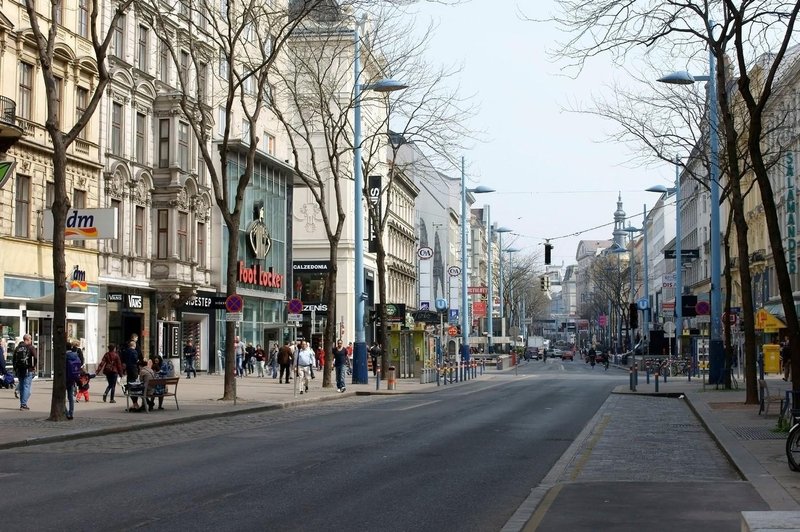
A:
[(479, 309), (477, 290)]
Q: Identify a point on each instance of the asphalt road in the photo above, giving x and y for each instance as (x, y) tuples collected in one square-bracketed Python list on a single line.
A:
[(463, 458)]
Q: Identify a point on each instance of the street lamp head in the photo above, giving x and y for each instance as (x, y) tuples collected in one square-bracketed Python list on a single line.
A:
[(616, 248), (502, 229), (385, 85), (511, 250), (678, 78), (480, 189), (661, 189), (632, 229)]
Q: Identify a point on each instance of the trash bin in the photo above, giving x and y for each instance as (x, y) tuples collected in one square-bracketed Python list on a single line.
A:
[(391, 381), (772, 358)]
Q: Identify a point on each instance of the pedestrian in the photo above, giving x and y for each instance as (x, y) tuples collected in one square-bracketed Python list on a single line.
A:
[(250, 357), (273, 361), (131, 361), (24, 361), (238, 351), (83, 385), (320, 358), (285, 359), (374, 353), (592, 356), (305, 361), (72, 372), (189, 353), (340, 362), (786, 358), (111, 367), (160, 371), (145, 373), (350, 353), (260, 358)]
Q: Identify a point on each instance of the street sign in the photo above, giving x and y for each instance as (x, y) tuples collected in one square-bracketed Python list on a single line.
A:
[(669, 327), (703, 318), (477, 289), (233, 304), (441, 304), (668, 280), (454, 271), (730, 317), (685, 253), (452, 331), (602, 320), (424, 305), (702, 308), (295, 306), (234, 316), (527, 321), (643, 304), (294, 317)]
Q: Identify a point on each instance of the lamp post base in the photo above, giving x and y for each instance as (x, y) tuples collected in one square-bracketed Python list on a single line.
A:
[(716, 362), (360, 372), (465, 353)]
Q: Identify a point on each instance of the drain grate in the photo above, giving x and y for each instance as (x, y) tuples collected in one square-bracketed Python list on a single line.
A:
[(757, 433)]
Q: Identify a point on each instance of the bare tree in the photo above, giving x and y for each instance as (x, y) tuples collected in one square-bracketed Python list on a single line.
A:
[(248, 40), (46, 36), (758, 34)]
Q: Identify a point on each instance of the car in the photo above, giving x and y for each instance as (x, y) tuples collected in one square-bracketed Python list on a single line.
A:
[(568, 355), (532, 353)]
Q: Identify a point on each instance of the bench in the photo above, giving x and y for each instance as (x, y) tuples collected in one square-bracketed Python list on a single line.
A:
[(766, 398), (170, 387)]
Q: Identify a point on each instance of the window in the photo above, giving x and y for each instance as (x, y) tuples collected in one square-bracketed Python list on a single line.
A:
[(79, 202), (144, 53), (183, 236), (163, 143), (81, 102), (223, 120), (138, 232), (115, 242), (269, 143), (58, 16), (119, 37), (22, 207), (184, 66), (184, 8), (25, 90), (223, 66), (163, 233), (249, 83), (202, 80), (58, 93), (83, 18), (141, 124), (164, 60), (246, 131), (116, 128), (183, 146), (49, 194), (201, 244)]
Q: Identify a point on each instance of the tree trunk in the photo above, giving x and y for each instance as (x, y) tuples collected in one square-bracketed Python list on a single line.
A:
[(231, 282), (330, 325), (383, 334), (61, 205)]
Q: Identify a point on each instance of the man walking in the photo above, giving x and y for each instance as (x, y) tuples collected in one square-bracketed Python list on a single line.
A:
[(189, 352), (339, 363), (305, 361), (786, 359), (25, 368), (285, 359)]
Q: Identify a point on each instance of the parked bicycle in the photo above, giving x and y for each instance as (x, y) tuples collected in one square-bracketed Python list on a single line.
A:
[(793, 442)]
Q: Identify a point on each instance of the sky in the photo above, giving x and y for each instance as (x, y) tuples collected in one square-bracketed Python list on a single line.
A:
[(555, 173)]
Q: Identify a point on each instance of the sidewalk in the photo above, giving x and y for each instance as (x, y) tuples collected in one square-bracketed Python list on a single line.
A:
[(198, 398)]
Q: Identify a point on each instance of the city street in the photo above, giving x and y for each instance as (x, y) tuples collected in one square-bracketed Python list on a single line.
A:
[(463, 458)]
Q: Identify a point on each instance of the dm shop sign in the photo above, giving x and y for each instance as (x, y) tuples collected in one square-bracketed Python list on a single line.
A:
[(84, 224), (258, 277), (791, 216)]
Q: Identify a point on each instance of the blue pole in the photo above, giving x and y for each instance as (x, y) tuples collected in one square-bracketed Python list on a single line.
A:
[(360, 373), (490, 291), (717, 351), (678, 262), (464, 310), (502, 301), (646, 275)]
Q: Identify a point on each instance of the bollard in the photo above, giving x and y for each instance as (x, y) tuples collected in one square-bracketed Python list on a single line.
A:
[(656, 382), (630, 378), (647, 374), (438, 382), (690, 372), (378, 378), (665, 376), (635, 375), (391, 382)]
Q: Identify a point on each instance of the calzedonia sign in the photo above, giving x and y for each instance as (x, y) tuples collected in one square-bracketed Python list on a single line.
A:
[(258, 277)]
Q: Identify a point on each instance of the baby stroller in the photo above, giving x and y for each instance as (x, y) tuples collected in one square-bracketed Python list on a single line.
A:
[(7, 380)]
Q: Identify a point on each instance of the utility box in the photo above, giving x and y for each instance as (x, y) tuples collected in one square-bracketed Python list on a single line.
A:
[(772, 358)]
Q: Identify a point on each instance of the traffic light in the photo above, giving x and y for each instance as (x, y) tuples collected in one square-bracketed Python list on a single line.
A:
[(634, 316), (547, 253), (543, 283)]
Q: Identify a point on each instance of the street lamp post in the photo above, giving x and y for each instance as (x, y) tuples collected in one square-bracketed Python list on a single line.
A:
[(385, 85), (510, 250), (716, 348), (490, 295), (502, 301), (676, 190), (645, 274), (464, 223)]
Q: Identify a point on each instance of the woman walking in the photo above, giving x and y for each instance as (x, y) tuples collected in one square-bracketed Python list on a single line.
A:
[(111, 367)]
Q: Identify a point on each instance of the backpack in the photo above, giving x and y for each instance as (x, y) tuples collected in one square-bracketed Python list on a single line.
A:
[(73, 368), (21, 359)]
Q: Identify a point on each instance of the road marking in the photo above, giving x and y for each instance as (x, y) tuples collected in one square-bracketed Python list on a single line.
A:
[(411, 407)]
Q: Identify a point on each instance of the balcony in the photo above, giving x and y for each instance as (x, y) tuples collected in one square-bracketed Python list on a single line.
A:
[(10, 132)]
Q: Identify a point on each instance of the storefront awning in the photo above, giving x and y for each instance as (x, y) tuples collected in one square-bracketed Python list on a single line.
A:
[(73, 298), (769, 322)]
